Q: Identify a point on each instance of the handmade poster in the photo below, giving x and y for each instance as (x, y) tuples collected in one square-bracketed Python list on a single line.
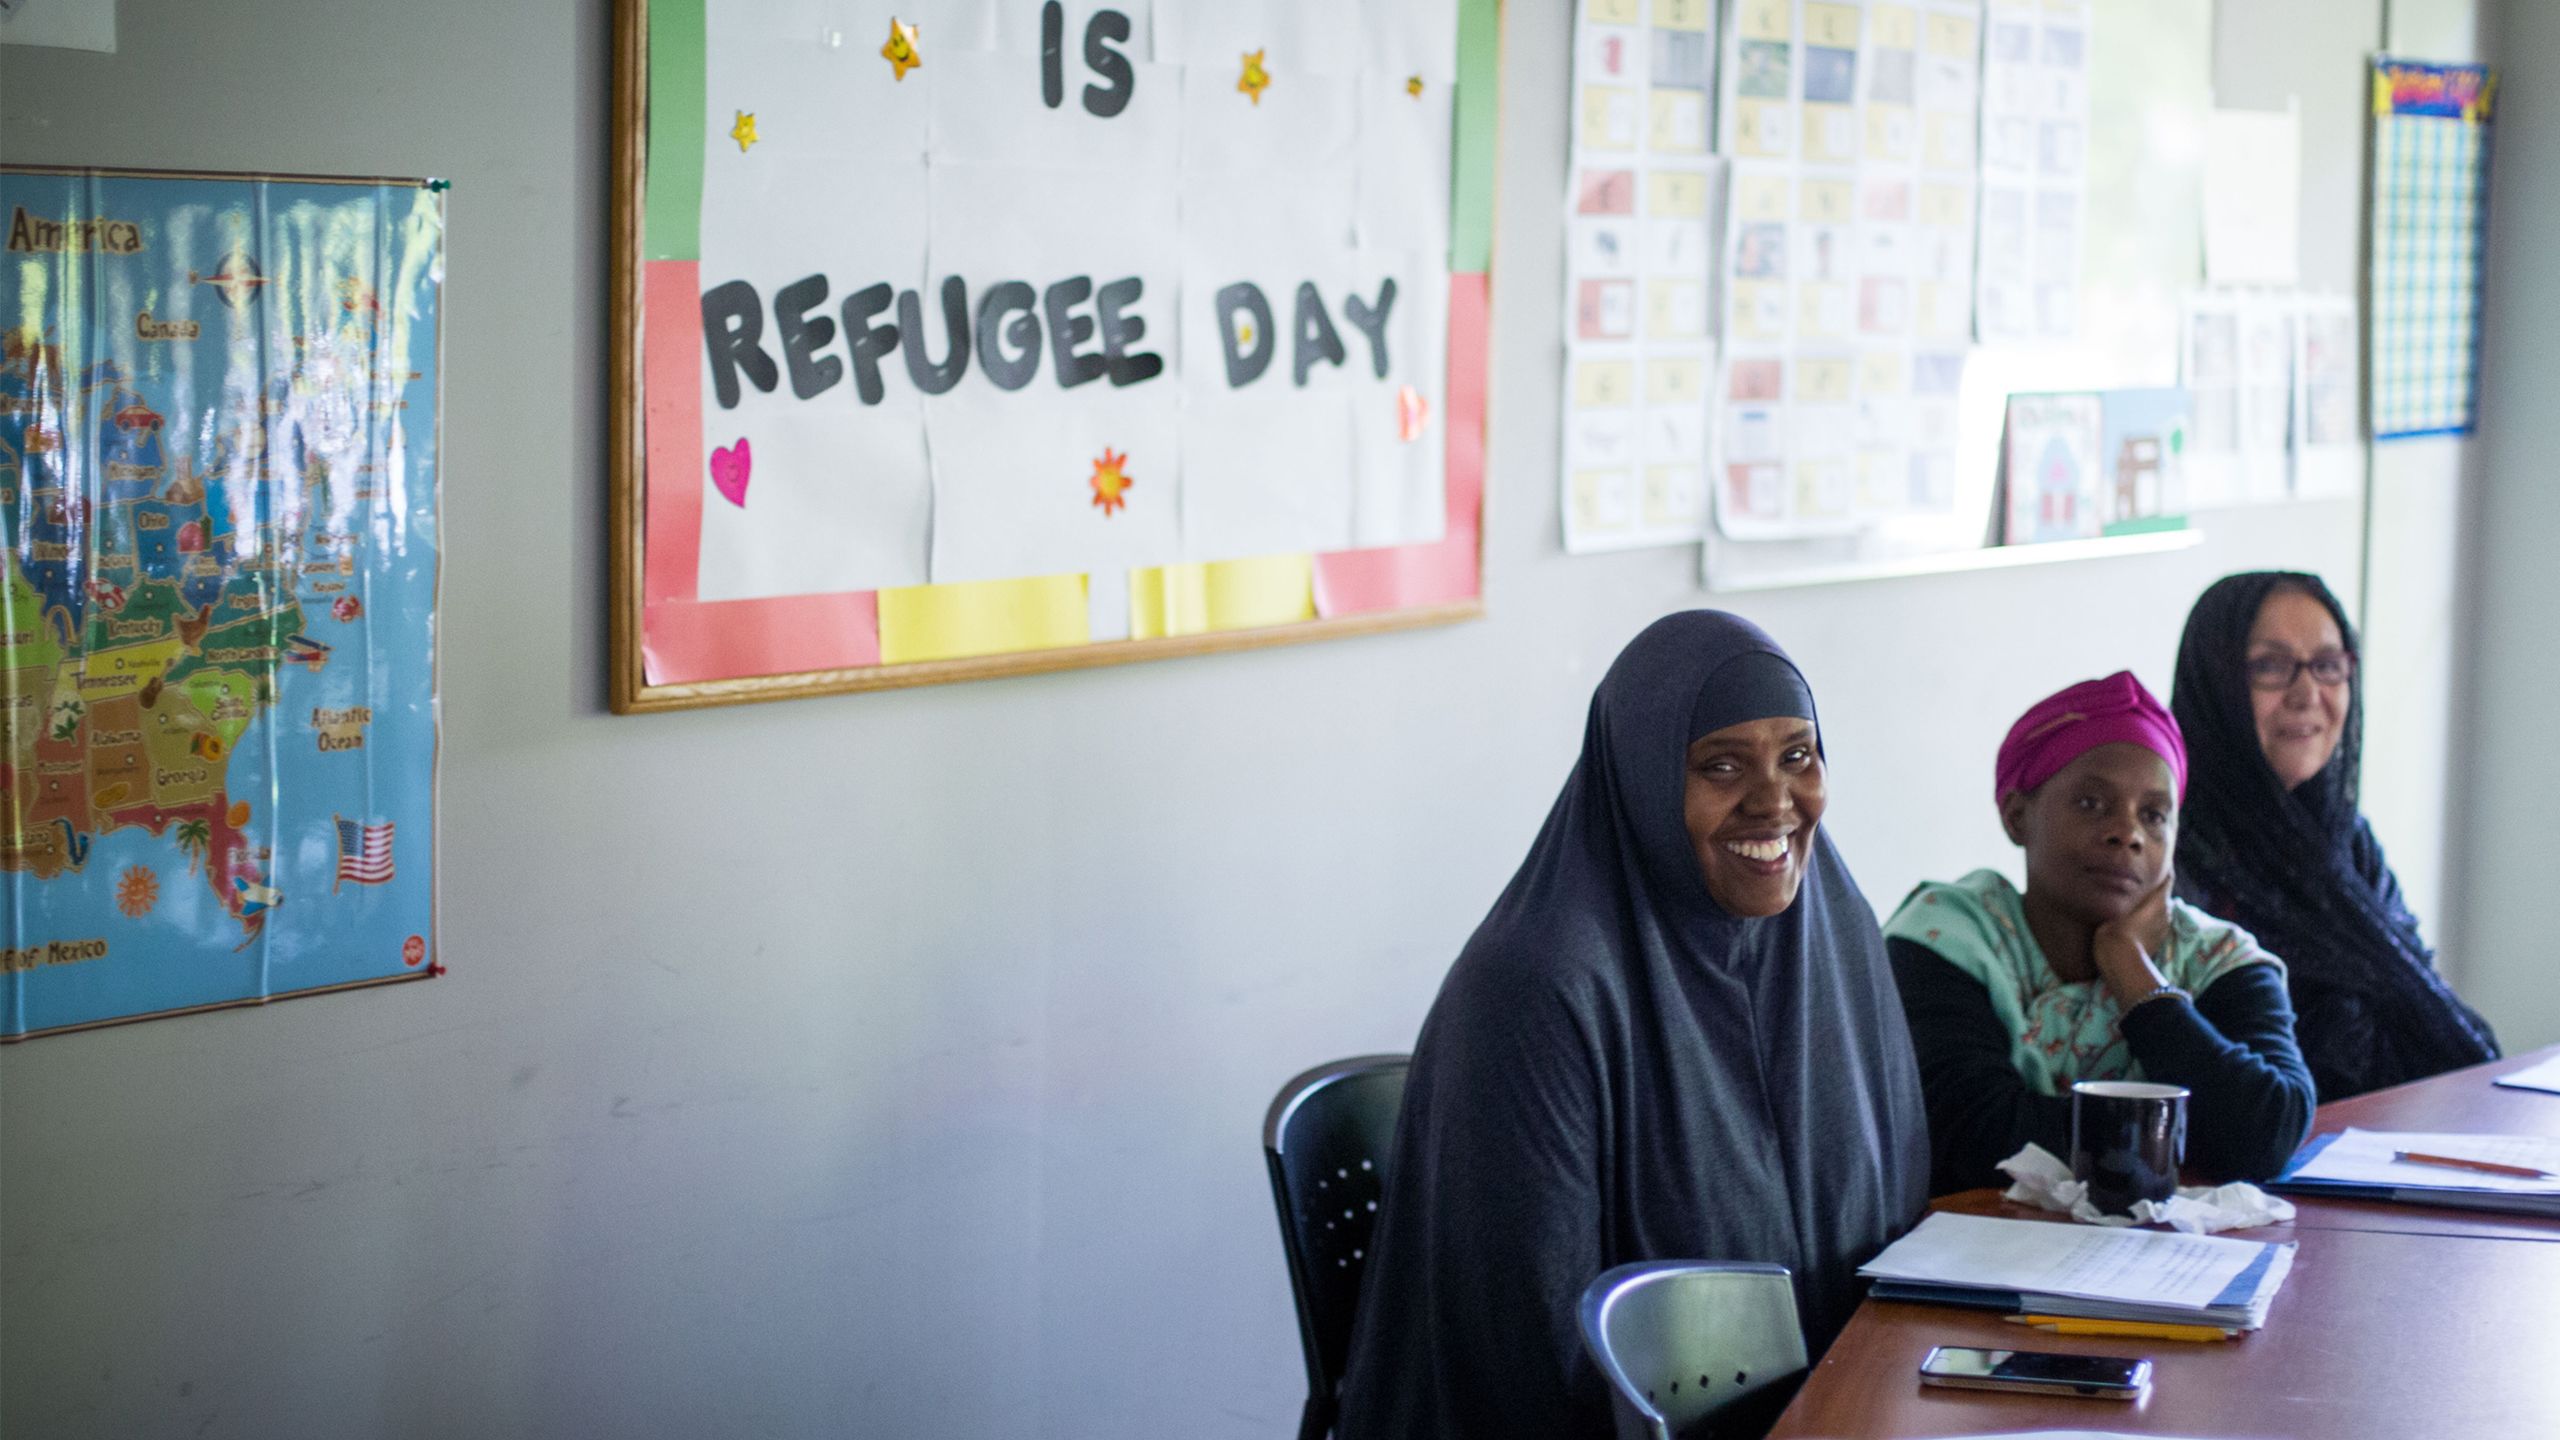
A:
[(1641, 195), (2328, 458), (1847, 267), (2035, 160), (2430, 222), (2051, 474), (1050, 298), (2236, 360), (218, 477), (2142, 452)]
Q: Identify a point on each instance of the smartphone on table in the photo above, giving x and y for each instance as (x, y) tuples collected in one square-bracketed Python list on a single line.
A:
[(2037, 1372)]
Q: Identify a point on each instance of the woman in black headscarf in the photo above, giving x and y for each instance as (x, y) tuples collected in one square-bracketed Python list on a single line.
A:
[(2268, 697), (1675, 1036)]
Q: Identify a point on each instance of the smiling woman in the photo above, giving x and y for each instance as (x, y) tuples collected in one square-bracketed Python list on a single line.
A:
[(2095, 971), (1674, 1036), (2267, 691)]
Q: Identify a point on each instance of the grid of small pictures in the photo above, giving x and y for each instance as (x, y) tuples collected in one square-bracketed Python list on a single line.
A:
[(2430, 197), (2035, 168), (1848, 258), (1640, 193)]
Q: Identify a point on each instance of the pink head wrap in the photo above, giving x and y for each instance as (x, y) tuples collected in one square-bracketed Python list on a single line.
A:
[(2073, 721)]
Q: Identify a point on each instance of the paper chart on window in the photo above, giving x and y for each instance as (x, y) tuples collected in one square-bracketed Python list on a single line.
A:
[(1847, 264), (1640, 201), (2035, 160), (2236, 356), (2328, 456)]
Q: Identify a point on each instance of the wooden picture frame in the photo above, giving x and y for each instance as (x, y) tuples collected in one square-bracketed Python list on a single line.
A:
[(635, 689)]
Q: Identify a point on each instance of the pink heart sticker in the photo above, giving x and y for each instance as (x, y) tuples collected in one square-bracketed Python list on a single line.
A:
[(730, 466)]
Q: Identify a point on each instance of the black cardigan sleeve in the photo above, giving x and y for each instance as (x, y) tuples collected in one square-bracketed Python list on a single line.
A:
[(2233, 1047), (1980, 1109)]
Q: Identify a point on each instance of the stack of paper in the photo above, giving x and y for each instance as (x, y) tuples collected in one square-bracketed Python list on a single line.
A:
[(2545, 1076), (2365, 1165), (2038, 1267)]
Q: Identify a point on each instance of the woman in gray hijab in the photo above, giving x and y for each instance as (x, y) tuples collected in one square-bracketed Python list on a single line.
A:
[(1675, 1037)]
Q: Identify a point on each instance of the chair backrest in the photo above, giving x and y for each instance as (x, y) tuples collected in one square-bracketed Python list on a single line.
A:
[(1327, 1137), (1692, 1347)]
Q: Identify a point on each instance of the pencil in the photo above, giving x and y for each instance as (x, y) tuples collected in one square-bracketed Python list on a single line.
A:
[(2122, 1329), (2485, 1167)]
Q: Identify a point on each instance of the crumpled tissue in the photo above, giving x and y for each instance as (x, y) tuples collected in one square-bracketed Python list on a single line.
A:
[(2046, 1183)]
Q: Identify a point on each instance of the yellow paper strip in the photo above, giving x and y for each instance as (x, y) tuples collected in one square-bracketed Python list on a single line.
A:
[(987, 617), (1197, 598)]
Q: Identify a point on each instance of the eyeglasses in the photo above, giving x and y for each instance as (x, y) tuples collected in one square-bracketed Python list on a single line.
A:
[(2277, 672)]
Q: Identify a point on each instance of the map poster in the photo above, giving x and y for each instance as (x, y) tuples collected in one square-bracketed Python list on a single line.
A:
[(218, 477)]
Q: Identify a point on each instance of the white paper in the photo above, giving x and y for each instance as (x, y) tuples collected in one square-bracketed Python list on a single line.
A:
[(1019, 489), (1265, 479), (2328, 429), (63, 24), (838, 493), (1309, 126), (1399, 441), (2365, 1157), (2034, 170), (2545, 1076), (1641, 202), (987, 109), (1106, 604), (1296, 38), (1403, 153), (2141, 1267), (2252, 197), (815, 104)]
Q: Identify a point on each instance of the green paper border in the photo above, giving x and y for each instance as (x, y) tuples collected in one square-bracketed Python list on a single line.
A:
[(1471, 154), (672, 190)]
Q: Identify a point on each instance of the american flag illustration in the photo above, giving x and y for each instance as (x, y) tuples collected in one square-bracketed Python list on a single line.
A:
[(364, 852)]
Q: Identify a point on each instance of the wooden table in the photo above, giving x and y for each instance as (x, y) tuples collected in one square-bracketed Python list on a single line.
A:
[(2397, 1321)]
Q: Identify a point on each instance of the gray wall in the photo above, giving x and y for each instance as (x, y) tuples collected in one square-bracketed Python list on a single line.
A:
[(880, 1065), (2510, 767)]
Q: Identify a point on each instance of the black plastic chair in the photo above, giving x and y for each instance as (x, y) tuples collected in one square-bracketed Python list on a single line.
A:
[(1327, 1137)]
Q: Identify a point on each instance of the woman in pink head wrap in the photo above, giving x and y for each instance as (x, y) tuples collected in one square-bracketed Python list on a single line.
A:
[(2096, 971)]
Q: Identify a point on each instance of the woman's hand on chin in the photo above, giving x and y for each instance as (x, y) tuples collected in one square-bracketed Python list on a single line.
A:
[(2123, 948)]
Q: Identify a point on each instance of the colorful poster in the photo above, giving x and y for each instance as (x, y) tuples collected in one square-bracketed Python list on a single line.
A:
[(2035, 163), (2142, 452), (1847, 268), (2430, 222), (218, 479), (2050, 469), (1005, 291), (1640, 200)]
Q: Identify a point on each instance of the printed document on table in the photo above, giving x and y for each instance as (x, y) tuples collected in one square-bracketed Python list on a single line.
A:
[(2039, 1257), (2545, 1076), (2364, 1157)]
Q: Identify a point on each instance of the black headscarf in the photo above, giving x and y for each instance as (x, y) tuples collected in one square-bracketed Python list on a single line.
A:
[(1616, 1069), (2301, 869)]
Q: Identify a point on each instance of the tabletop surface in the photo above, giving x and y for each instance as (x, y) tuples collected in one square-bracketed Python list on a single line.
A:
[(2398, 1320)]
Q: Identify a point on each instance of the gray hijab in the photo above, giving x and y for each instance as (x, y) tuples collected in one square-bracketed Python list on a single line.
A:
[(1616, 1069)]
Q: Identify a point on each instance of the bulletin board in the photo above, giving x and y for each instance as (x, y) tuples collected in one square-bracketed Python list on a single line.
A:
[(2149, 93), (962, 338)]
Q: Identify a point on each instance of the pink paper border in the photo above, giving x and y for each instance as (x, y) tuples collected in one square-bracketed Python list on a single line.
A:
[(685, 640), (1400, 577)]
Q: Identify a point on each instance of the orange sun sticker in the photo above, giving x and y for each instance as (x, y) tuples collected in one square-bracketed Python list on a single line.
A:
[(1111, 483), (137, 890)]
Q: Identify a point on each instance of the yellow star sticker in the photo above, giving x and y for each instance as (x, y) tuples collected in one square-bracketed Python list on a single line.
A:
[(901, 50), (744, 132), (1255, 79), (1413, 87)]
